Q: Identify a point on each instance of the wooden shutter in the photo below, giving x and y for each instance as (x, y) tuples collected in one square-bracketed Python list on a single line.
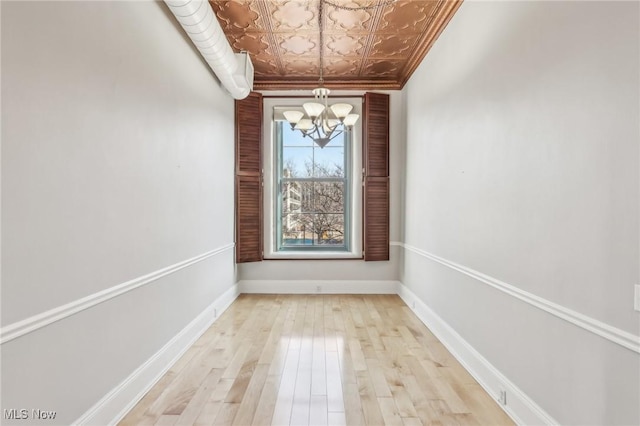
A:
[(376, 176), (248, 123)]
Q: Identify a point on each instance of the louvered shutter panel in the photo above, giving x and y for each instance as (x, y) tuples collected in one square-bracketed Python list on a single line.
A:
[(376, 176), (248, 123)]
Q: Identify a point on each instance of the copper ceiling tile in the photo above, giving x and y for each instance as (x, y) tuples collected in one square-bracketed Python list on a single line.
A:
[(392, 46), (343, 45), (292, 44), (407, 16), (378, 47), (336, 66), (252, 42), (346, 20), (237, 16), (301, 66), (293, 15), (264, 66), (383, 67)]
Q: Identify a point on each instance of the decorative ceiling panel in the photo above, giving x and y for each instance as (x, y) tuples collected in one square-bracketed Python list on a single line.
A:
[(377, 47)]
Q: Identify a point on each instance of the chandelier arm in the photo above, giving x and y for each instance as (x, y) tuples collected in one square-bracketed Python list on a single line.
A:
[(337, 134), (340, 131), (313, 132)]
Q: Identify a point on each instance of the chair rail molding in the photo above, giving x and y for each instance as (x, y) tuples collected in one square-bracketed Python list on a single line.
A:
[(35, 322), (623, 338)]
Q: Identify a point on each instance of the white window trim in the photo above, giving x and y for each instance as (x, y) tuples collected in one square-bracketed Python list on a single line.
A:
[(270, 184)]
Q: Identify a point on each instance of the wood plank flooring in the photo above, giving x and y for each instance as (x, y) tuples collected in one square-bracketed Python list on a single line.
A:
[(317, 360)]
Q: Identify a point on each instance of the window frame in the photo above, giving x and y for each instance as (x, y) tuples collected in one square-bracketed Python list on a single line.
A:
[(346, 180), (353, 190)]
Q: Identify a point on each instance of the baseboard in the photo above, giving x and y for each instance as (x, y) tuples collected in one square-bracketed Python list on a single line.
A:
[(522, 409), (119, 401), (318, 286)]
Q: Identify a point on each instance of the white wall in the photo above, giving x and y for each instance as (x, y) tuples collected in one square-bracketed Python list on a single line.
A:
[(347, 270), (117, 161), (522, 164)]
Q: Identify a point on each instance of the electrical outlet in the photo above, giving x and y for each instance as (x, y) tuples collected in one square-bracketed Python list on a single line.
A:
[(503, 397), (636, 299), (318, 288)]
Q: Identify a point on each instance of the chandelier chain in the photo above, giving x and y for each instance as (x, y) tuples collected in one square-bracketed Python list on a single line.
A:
[(320, 24), (371, 6)]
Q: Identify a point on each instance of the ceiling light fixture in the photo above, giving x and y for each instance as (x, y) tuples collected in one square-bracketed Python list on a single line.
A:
[(319, 121)]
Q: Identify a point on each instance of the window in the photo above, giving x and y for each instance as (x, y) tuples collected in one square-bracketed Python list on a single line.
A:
[(297, 201), (312, 195), (312, 191)]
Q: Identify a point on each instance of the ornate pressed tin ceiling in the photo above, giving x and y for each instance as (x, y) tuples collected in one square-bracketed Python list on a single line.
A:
[(373, 48)]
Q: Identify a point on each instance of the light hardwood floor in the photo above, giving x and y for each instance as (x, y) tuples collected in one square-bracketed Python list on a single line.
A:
[(317, 360)]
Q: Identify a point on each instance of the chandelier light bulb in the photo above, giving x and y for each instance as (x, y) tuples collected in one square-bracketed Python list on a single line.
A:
[(293, 116), (313, 109), (304, 124), (351, 119), (341, 110)]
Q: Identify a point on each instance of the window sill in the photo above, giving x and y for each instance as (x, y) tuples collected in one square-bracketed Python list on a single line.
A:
[(327, 255)]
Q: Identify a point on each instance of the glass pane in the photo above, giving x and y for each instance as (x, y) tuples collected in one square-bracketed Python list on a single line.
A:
[(328, 229), (296, 229), (328, 197), (294, 137), (329, 162), (312, 212), (307, 197), (297, 161), (291, 197)]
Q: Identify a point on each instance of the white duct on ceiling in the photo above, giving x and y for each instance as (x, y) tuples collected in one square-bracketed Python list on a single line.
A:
[(234, 70)]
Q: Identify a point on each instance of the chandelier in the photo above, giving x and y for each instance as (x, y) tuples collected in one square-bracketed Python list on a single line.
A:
[(320, 121)]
